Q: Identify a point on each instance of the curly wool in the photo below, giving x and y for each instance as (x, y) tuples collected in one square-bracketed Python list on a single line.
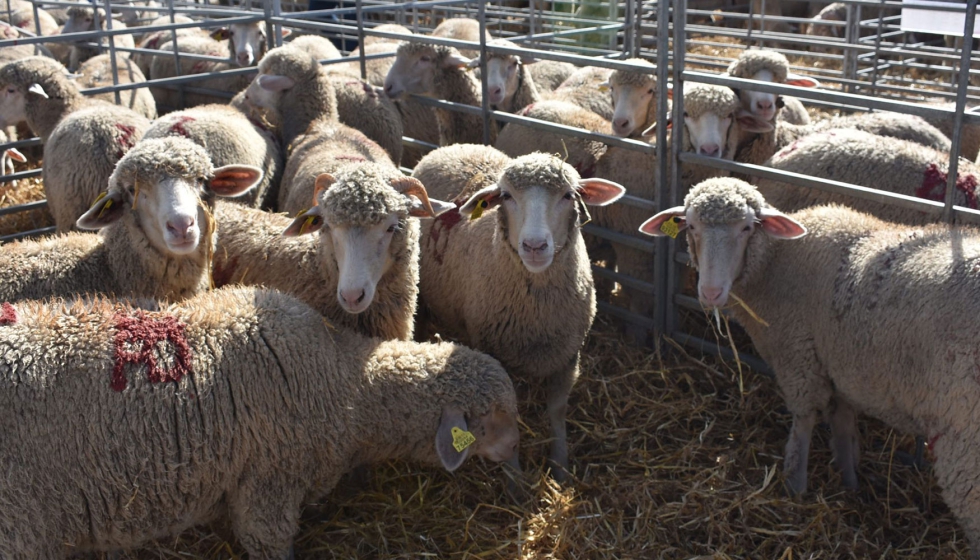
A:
[(47, 72), (437, 52), (362, 196), (633, 78), (293, 62), (722, 200), (753, 61), (704, 98), (501, 43), (540, 170), (158, 158)]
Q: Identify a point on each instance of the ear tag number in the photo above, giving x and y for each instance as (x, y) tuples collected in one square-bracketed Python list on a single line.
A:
[(670, 227), (462, 439), (478, 211)]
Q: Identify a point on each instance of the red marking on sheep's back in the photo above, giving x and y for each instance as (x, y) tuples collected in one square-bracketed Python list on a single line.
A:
[(25, 24), (178, 126), (145, 333), (527, 110), (224, 271), (8, 315), (933, 185), (127, 140), (442, 225)]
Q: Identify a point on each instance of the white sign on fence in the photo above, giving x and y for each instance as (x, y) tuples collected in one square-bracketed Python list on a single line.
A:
[(931, 21)]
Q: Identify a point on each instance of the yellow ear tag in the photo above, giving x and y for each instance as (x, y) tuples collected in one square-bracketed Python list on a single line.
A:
[(478, 211), (462, 439), (307, 224), (102, 195), (670, 227), (603, 88), (106, 206)]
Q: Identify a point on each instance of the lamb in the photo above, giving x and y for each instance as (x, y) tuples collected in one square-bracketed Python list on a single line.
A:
[(82, 18), (157, 232), (360, 106), (854, 156), (770, 66), (847, 312), (584, 88), (360, 271), (156, 39), (531, 312), (634, 100), (229, 137), (83, 139), (247, 42), (164, 67), (254, 407), (461, 29), (440, 72), (320, 47), (97, 72)]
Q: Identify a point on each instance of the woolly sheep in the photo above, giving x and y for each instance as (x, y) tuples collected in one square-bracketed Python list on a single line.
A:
[(360, 106), (97, 72), (461, 29), (440, 72), (969, 135), (549, 74), (770, 66), (512, 80), (157, 39), (156, 231), (247, 42), (21, 14), (229, 137), (164, 67), (387, 28), (854, 156), (254, 407), (83, 139), (319, 47), (528, 299), (360, 271), (862, 316), (832, 12), (456, 172), (634, 99), (583, 88), (81, 19)]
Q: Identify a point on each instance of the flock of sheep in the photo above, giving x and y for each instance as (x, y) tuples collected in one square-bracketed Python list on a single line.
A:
[(204, 358)]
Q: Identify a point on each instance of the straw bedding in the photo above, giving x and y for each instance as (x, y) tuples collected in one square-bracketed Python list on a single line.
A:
[(21, 192)]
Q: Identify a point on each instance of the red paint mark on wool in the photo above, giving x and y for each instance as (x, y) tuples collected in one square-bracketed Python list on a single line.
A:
[(145, 333), (442, 225), (127, 140), (527, 110), (178, 126), (8, 315), (933, 186)]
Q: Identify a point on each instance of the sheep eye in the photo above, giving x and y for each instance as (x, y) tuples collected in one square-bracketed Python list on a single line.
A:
[(425, 59), (650, 91), (685, 114), (568, 196), (391, 228), (505, 196)]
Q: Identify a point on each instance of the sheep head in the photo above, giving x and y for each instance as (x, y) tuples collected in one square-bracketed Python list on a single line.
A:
[(633, 97), (415, 66)]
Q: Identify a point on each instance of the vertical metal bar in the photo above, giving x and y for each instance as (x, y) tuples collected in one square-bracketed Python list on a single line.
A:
[(748, 35), (676, 143), (178, 70), (360, 41), (963, 75), (37, 19), (851, 35), (628, 30), (485, 101), (874, 69), (112, 47), (637, 27), (661, 254), (532, 22)]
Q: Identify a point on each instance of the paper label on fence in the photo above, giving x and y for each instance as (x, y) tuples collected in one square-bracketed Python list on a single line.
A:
[(933, 21)]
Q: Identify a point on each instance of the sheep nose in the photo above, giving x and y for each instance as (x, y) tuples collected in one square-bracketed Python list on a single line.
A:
[(352, 297), (710, 295), (710, 150), (180, 226), (534, 245), (244, 59), (764, 105), (390, 91), (495, 91), (621, 123)]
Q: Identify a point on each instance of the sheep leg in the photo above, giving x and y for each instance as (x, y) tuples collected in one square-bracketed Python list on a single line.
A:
[(844, 441), (559, 387), (265, 517), (798, 451), (515, 479), (956, 473)]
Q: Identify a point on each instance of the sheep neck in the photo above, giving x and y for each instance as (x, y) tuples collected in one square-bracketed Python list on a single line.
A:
[(301, 107), (457, 86), (44, 115)]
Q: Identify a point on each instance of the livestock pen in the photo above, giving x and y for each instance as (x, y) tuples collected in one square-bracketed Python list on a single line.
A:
[(676, 451)]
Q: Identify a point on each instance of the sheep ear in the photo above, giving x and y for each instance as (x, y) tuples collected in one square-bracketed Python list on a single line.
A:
[(450, 457), (779, 225), (473, 63), (600, 192), (107, 208), (750, 122), (14, 154), (36, 88), (455, 60), (604, 86), (285, 32), (234, 180), (221, 33), (654, 226), (307, 221), (323, 182), (490, 195), (272, 82), (801, 81)]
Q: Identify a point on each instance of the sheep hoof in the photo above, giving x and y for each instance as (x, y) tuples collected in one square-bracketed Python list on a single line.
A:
[(558, 472)]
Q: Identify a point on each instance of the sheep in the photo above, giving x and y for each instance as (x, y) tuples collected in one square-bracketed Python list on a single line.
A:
[(832, 12), (21, 14), (855, 156), (157, 233), (711, 126), (861, 316), (320, 47), (461, 29), (17, 52), (360, 271), (456, 172), (756, 148), (386, 28), (253, 407), (634, 100), (969, 135), (83, 139), (163, 66), (770, 66), (9, 156), (97, 72), (156, 39), (360, 106), (247, 42), (81, 19), (509, 82), (229, 137), (440, 72), (583, 88), (549, 74), (528, 299)]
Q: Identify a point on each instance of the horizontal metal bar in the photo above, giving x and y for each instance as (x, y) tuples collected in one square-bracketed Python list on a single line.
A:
[(16, 176), (25, 234), (624, 280), (624, 315), (616, 237), (705, 347), (26, 207)]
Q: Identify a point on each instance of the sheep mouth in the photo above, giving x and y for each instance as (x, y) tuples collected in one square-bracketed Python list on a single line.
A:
[(182, 246), (536, 262)]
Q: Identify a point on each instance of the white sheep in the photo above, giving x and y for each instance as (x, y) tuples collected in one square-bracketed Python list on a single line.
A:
[(247, 42), (770, 66), (83, 138), (517, 282), (860, 316), (122, 425), (157, 231), (82, 18), (634, 100), (461, 29), (360, 271), (163, 66), (97, 72), (156, 39)]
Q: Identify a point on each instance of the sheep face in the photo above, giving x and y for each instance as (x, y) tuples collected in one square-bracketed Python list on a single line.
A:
[(246, 41), (80, 19), (630, 104), (496, 432), (502, 78), (708, 132), (762, 104), (720, 222), (415, 66), (266, 90), (13, 105)]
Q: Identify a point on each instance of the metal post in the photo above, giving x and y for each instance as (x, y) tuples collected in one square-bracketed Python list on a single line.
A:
[(112, 46), (963, 75), (874, 69), (532, 22), (661, 254), (677, 142), (628, 30), (482, 17), (173, 38), (851, 34), (360, 41)]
